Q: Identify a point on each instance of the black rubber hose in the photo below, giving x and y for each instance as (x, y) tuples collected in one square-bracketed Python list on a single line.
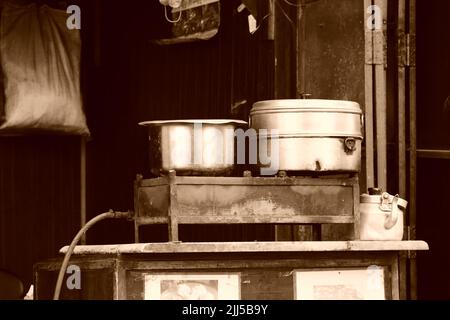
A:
[(107, 215)]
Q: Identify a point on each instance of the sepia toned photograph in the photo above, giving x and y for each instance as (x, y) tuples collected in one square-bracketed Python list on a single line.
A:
[(340, 284), (192, 287), (251, 151), (189, 290)]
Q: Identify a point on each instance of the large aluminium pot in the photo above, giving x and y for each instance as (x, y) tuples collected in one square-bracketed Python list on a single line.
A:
[(193, 147), (313, 135)]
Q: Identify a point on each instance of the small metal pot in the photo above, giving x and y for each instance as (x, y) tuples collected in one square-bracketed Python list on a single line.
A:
[(193, 147), (313, 135)]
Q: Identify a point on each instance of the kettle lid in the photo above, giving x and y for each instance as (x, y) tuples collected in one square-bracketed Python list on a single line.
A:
[(384, 197)]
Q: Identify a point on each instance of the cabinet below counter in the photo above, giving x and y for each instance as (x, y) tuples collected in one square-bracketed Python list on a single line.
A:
[(236, 270)]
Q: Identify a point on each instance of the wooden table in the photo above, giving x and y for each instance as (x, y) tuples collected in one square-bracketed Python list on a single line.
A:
[(266, 269)]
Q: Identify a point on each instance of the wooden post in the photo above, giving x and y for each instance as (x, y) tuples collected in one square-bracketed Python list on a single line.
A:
[(317, 232), (368, 72), (120, 276), (380, 61), (356, 212), (395, 280), (401, 74), (413, 142), (402, 57), (83, 186), (137, 184), (301, 52), (173, 208), (285, 37)]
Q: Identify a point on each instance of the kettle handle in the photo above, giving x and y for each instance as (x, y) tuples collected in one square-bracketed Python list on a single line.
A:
[(392, 219)]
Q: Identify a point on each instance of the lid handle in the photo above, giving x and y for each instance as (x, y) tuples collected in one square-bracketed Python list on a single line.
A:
[(304, 95)]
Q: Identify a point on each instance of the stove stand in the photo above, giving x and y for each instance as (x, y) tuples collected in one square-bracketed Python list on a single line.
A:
[(175, 200)]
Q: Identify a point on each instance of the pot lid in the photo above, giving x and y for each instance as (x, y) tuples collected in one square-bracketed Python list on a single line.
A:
[(196, 121), (310, 105)]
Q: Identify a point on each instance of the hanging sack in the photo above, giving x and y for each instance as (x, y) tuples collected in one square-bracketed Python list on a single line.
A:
[(40, 58)]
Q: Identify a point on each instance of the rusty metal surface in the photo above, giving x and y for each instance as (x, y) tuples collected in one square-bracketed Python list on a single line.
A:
[(153, 201), (265, 200), (175, 200), (249, 197), (267, 219), (337, 180)]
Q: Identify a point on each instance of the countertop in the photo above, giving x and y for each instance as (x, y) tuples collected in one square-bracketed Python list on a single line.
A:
[(255, 247)]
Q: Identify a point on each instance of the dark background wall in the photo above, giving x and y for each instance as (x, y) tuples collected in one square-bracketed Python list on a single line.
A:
[(39, 199), (126, 79), (131, 79), (433, 206)]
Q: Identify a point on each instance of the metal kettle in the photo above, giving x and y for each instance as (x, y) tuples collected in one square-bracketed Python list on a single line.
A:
[(382, 216)]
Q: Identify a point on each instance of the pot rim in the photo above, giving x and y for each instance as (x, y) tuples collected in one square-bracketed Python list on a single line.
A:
[(193, 121), (307, 105), (317, 135)]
